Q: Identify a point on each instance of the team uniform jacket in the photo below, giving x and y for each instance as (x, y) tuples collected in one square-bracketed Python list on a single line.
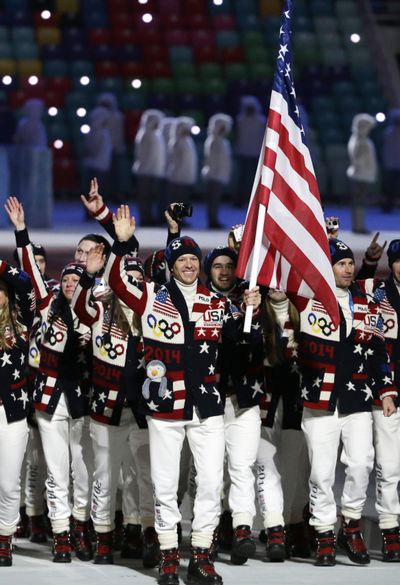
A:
[(118, 365), (187, 348), (240, 363), (63, 356), (340, 370), (282, 382), (14, 359), (387, 295)]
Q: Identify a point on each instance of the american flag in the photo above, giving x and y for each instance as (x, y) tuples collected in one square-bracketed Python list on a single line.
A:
[(163, 304), (290, 247)]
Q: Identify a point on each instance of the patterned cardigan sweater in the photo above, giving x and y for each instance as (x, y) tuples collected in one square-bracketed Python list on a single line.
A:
[(184, 347), (64, 358), (14, 356)]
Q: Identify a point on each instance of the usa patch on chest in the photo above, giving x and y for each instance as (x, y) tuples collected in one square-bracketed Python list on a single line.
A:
[(213, 316)]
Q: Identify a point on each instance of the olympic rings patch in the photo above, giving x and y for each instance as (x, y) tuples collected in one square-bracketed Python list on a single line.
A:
[(320, 325), (388, 324), (162, 327), (107, 348)]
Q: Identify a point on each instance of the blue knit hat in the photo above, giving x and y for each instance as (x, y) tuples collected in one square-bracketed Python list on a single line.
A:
[(219, 251), (393, 252), (339, 251), (179, 247)]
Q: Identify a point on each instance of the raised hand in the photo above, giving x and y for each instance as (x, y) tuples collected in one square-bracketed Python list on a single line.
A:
[(95, 259), (93, 201), (15, 212), (173, 225), (124, 223), (374, 251)]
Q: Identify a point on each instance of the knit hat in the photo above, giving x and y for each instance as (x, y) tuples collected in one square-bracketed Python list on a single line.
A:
[(179, 247), (393, 252), (219, 251), (155, 267), (72, 268), (339, 251), (133, 263)]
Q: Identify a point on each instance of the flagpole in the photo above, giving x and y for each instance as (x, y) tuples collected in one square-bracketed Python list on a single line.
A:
[(255, 264)]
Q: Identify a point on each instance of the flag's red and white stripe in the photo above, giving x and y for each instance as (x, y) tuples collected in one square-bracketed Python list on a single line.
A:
[(294, 253)]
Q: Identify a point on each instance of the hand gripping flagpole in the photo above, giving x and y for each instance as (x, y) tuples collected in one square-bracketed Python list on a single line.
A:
[(254, 264)]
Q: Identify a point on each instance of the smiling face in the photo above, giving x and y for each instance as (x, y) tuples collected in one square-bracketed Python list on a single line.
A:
[(186, 268), (344, 272), (68, 285), (223, 273)]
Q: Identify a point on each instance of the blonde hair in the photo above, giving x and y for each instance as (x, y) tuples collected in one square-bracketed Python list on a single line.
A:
[(114, 314), (9, 324), (271, 338)]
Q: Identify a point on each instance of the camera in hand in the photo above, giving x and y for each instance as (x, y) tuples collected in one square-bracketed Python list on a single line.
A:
[(332, 224), (180, 210)]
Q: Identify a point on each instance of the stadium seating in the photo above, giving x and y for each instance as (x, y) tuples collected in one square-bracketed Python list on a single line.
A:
[(194, 57)]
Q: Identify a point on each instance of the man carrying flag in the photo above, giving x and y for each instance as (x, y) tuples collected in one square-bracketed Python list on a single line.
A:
[(341, 348)]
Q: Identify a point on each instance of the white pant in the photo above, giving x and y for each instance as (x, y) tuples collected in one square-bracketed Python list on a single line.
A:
[(36, 472), (110, 447), (13, 439), (66, 443), (206, 441), (283, 470), (242, 436), (324, 431), (387, 455)]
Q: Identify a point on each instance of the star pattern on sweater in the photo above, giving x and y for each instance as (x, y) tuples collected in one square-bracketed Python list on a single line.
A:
[(6, 359), (350, 386), (257, 389), (367, 391), (217, 394), (102, 397), (201, 332), (304, 393), (215, 332), (22, 359), (211, 370), (256, 326), (152, 405), (13, 271), (204, 347), (358, 349), (24, 397), (78, 391), (203, 389), (387, 380), (317, 382), (16, 374)]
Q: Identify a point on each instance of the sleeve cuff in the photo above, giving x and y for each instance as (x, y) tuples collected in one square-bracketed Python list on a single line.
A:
[(120, 248), (87, 280), (22, 238)]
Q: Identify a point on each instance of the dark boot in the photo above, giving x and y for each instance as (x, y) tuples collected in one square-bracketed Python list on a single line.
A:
[(275, 548), (61, 547), (168, 568), (391, 545), (82, 543), (225, 531), (298, 541), (326, 549), (350, 539), (5, 551), (23, 524), (214, 545), (103, 554), (243, 545), (201, 569), (118, 530), (151, 548), (37, 529), (132, 544)]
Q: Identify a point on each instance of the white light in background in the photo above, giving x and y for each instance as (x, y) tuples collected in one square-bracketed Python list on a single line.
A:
[(84, 80), (380, 117), (7, 80), (33, 80), (45, 14), (58, 144), (355, 38), (147, 17), (85, 128), (195, 130), (81, 112), (136, 83), (53, 111)]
